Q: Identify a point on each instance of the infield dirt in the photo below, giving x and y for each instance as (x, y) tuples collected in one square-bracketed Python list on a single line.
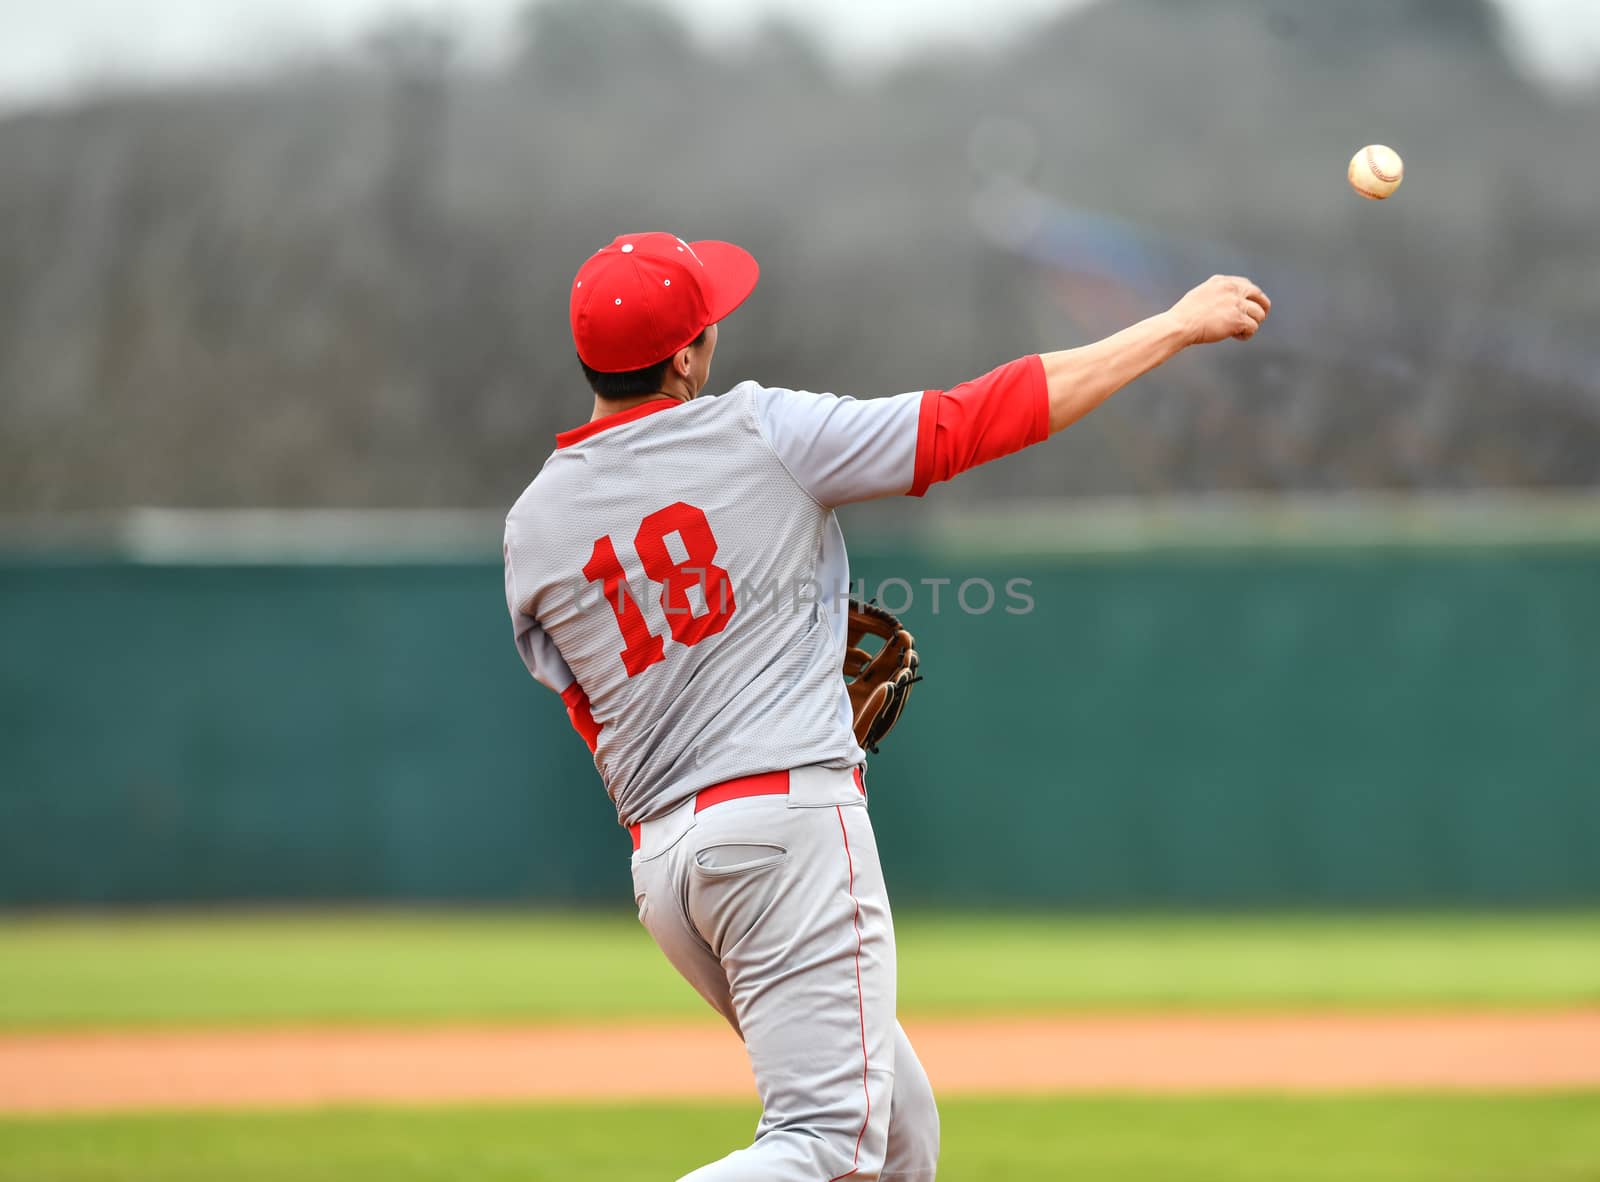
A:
[(47, 1073)]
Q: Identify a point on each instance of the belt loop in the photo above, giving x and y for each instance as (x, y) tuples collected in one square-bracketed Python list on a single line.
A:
[(656, 836)]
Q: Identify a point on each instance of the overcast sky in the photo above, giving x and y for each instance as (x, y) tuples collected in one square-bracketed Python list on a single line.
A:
[(49, 48)]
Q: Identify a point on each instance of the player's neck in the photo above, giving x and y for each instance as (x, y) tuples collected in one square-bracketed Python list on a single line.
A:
[(674, 388)]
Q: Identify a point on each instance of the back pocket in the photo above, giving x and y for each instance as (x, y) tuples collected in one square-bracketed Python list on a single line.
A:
[(738, 857)]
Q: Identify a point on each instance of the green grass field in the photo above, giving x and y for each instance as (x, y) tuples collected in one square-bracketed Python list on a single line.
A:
[(1388, 1139), (188, 970), (262, 969)]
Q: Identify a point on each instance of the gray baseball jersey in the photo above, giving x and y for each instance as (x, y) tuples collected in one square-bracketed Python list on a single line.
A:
[(681, 563)]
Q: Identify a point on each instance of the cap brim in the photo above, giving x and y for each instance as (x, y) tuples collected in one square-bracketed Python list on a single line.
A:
[(732, 271)]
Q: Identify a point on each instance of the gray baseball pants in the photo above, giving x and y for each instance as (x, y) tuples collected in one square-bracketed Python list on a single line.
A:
[(774, 909)]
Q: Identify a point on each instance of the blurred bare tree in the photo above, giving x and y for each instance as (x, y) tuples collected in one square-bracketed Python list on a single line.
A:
[(346, 284)]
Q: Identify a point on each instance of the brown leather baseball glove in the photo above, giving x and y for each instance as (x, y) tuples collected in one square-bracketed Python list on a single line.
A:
[(881, 681)]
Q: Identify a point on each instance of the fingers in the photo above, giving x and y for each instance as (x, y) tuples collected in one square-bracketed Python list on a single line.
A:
[(1244, 289), (1226, 306), (1252, 310)]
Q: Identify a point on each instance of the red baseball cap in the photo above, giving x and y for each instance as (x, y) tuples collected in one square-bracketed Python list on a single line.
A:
[(644, 297)]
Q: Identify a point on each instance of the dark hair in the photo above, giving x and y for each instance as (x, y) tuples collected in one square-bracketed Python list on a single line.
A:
[(635, 381)]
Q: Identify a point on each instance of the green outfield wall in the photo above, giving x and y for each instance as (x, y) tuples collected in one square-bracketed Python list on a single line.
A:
[(1281, 716)]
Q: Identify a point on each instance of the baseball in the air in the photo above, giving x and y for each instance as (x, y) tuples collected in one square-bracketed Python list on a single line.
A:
[(1376, 171)]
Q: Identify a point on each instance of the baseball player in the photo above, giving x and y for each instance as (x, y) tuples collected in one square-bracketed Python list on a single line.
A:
[(675, 572)]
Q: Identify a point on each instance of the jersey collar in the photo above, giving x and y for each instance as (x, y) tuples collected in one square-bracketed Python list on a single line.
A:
[(579, 434)]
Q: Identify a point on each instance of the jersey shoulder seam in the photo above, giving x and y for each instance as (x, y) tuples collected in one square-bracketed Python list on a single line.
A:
[(755, 419)]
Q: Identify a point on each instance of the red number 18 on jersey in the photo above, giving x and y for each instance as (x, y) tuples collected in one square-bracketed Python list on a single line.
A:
[(642, 648)]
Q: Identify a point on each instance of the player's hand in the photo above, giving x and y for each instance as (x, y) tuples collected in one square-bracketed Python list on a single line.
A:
[(1223, 306)]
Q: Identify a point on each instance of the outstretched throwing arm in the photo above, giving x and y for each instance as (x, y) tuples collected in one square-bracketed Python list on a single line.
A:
[(842, 450), (1081, 379)]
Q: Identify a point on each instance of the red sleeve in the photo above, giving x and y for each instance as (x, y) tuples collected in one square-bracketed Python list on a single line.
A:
[(581, 715), (1004, 411)]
